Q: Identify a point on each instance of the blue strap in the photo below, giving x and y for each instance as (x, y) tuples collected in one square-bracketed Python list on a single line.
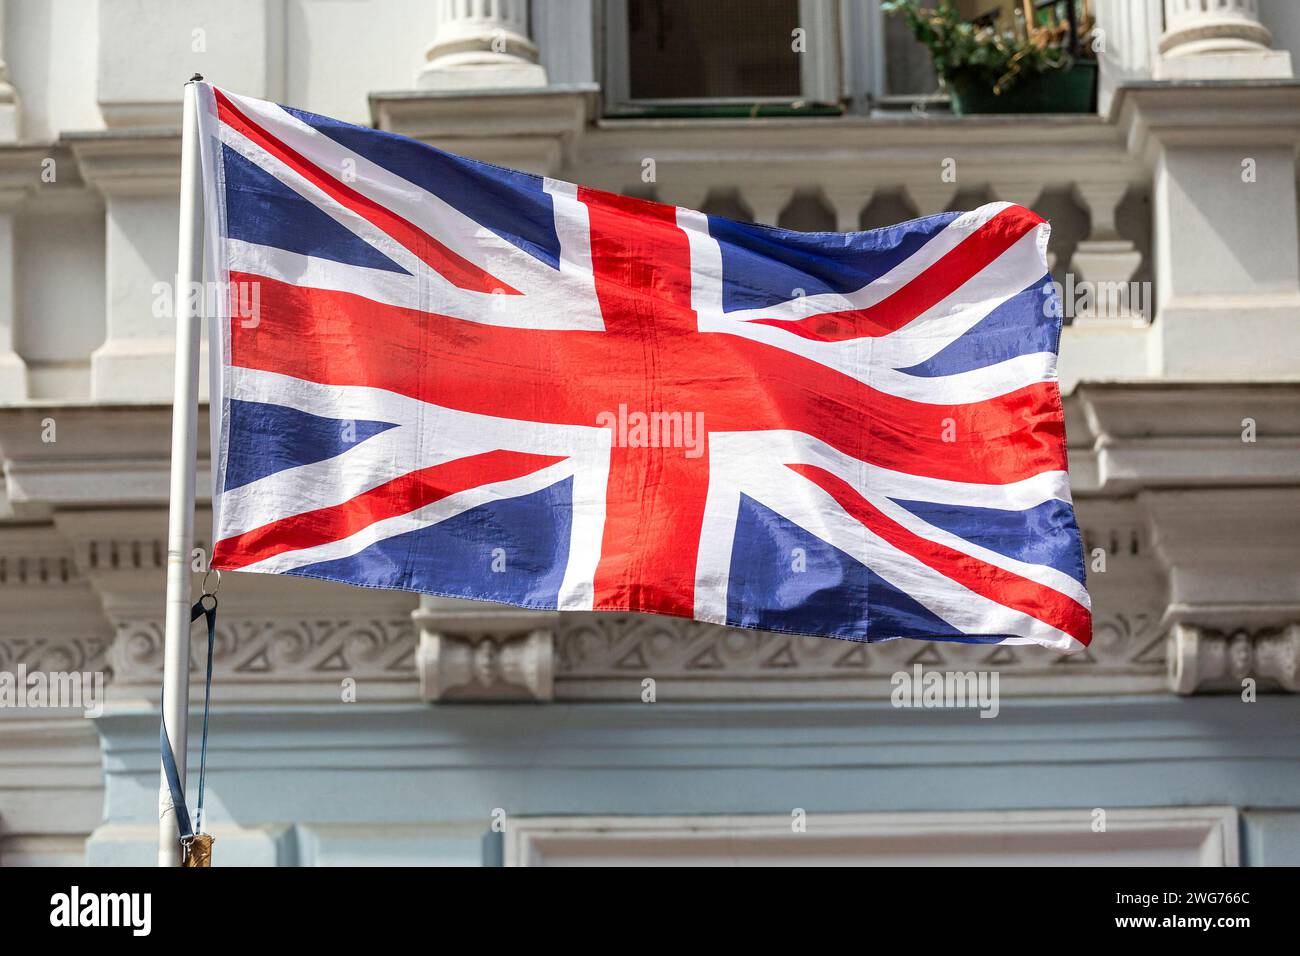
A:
[(211, 616), (174, 783), (164, 743)]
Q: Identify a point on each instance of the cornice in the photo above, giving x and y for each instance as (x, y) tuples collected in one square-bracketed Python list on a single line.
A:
[(1128, 436), (103, 454), (545, 110), (1206, 114), (527, 129), (1172, 408), (850, 139), (129, 162), (20, 171)]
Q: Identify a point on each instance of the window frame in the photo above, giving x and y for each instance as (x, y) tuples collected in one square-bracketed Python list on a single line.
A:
[(821, 86)]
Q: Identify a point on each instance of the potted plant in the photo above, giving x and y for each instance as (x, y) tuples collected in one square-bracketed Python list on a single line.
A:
[(1042, 65)]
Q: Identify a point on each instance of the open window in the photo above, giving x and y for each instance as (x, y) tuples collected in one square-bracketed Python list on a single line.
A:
[(722, 58)]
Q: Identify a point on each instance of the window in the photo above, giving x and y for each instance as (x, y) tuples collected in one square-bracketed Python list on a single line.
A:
[(906, 71), (725, 56), (767, 57)]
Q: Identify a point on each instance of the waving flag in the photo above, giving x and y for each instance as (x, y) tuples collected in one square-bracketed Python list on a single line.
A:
[(443, 376)]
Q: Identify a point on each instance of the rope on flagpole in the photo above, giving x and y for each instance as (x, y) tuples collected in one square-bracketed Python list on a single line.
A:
[(196, 844)]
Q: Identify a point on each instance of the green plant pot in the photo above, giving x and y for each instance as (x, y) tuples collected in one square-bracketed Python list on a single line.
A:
[(1071, 89)]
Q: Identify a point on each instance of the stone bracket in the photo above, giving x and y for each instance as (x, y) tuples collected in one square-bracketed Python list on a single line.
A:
[(1204, 660), (488, 655)]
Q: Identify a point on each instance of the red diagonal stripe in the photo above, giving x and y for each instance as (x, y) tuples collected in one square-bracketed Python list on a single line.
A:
[(397, 497), (997, 584), (456, 268), (950, 273)]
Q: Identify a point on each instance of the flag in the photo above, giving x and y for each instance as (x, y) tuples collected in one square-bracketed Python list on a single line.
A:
[(438, 375)]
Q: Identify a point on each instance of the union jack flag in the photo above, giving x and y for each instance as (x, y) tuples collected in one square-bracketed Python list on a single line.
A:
[(438, 375)]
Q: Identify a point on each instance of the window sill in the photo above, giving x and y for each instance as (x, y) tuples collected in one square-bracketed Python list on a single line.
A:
[(722, 110)]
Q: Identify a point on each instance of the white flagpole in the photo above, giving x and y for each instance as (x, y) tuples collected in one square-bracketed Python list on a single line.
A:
[(185, 415)]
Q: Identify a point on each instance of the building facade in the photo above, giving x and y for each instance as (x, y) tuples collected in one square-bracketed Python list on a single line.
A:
[(354, 726)]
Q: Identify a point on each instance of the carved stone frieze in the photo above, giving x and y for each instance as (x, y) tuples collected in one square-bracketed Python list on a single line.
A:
[(608, 655), (292, 655), (1171, 537), (54, 653)]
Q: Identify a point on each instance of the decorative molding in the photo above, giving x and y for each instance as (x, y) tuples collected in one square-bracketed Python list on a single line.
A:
[(1183, 522), (608, 656), (105, 455), (531, 129), (883, 154), (37, 570), (287, 657), (1205, 115), (1128, 436), (35, 557), (1202, 660), (1195, 836), (129, 163), (54, 653)]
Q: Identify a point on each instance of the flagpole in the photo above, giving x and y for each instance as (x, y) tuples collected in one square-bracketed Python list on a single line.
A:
[(180, 525)]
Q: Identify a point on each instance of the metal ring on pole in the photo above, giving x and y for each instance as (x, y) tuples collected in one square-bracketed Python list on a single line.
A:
[(206, 592)]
